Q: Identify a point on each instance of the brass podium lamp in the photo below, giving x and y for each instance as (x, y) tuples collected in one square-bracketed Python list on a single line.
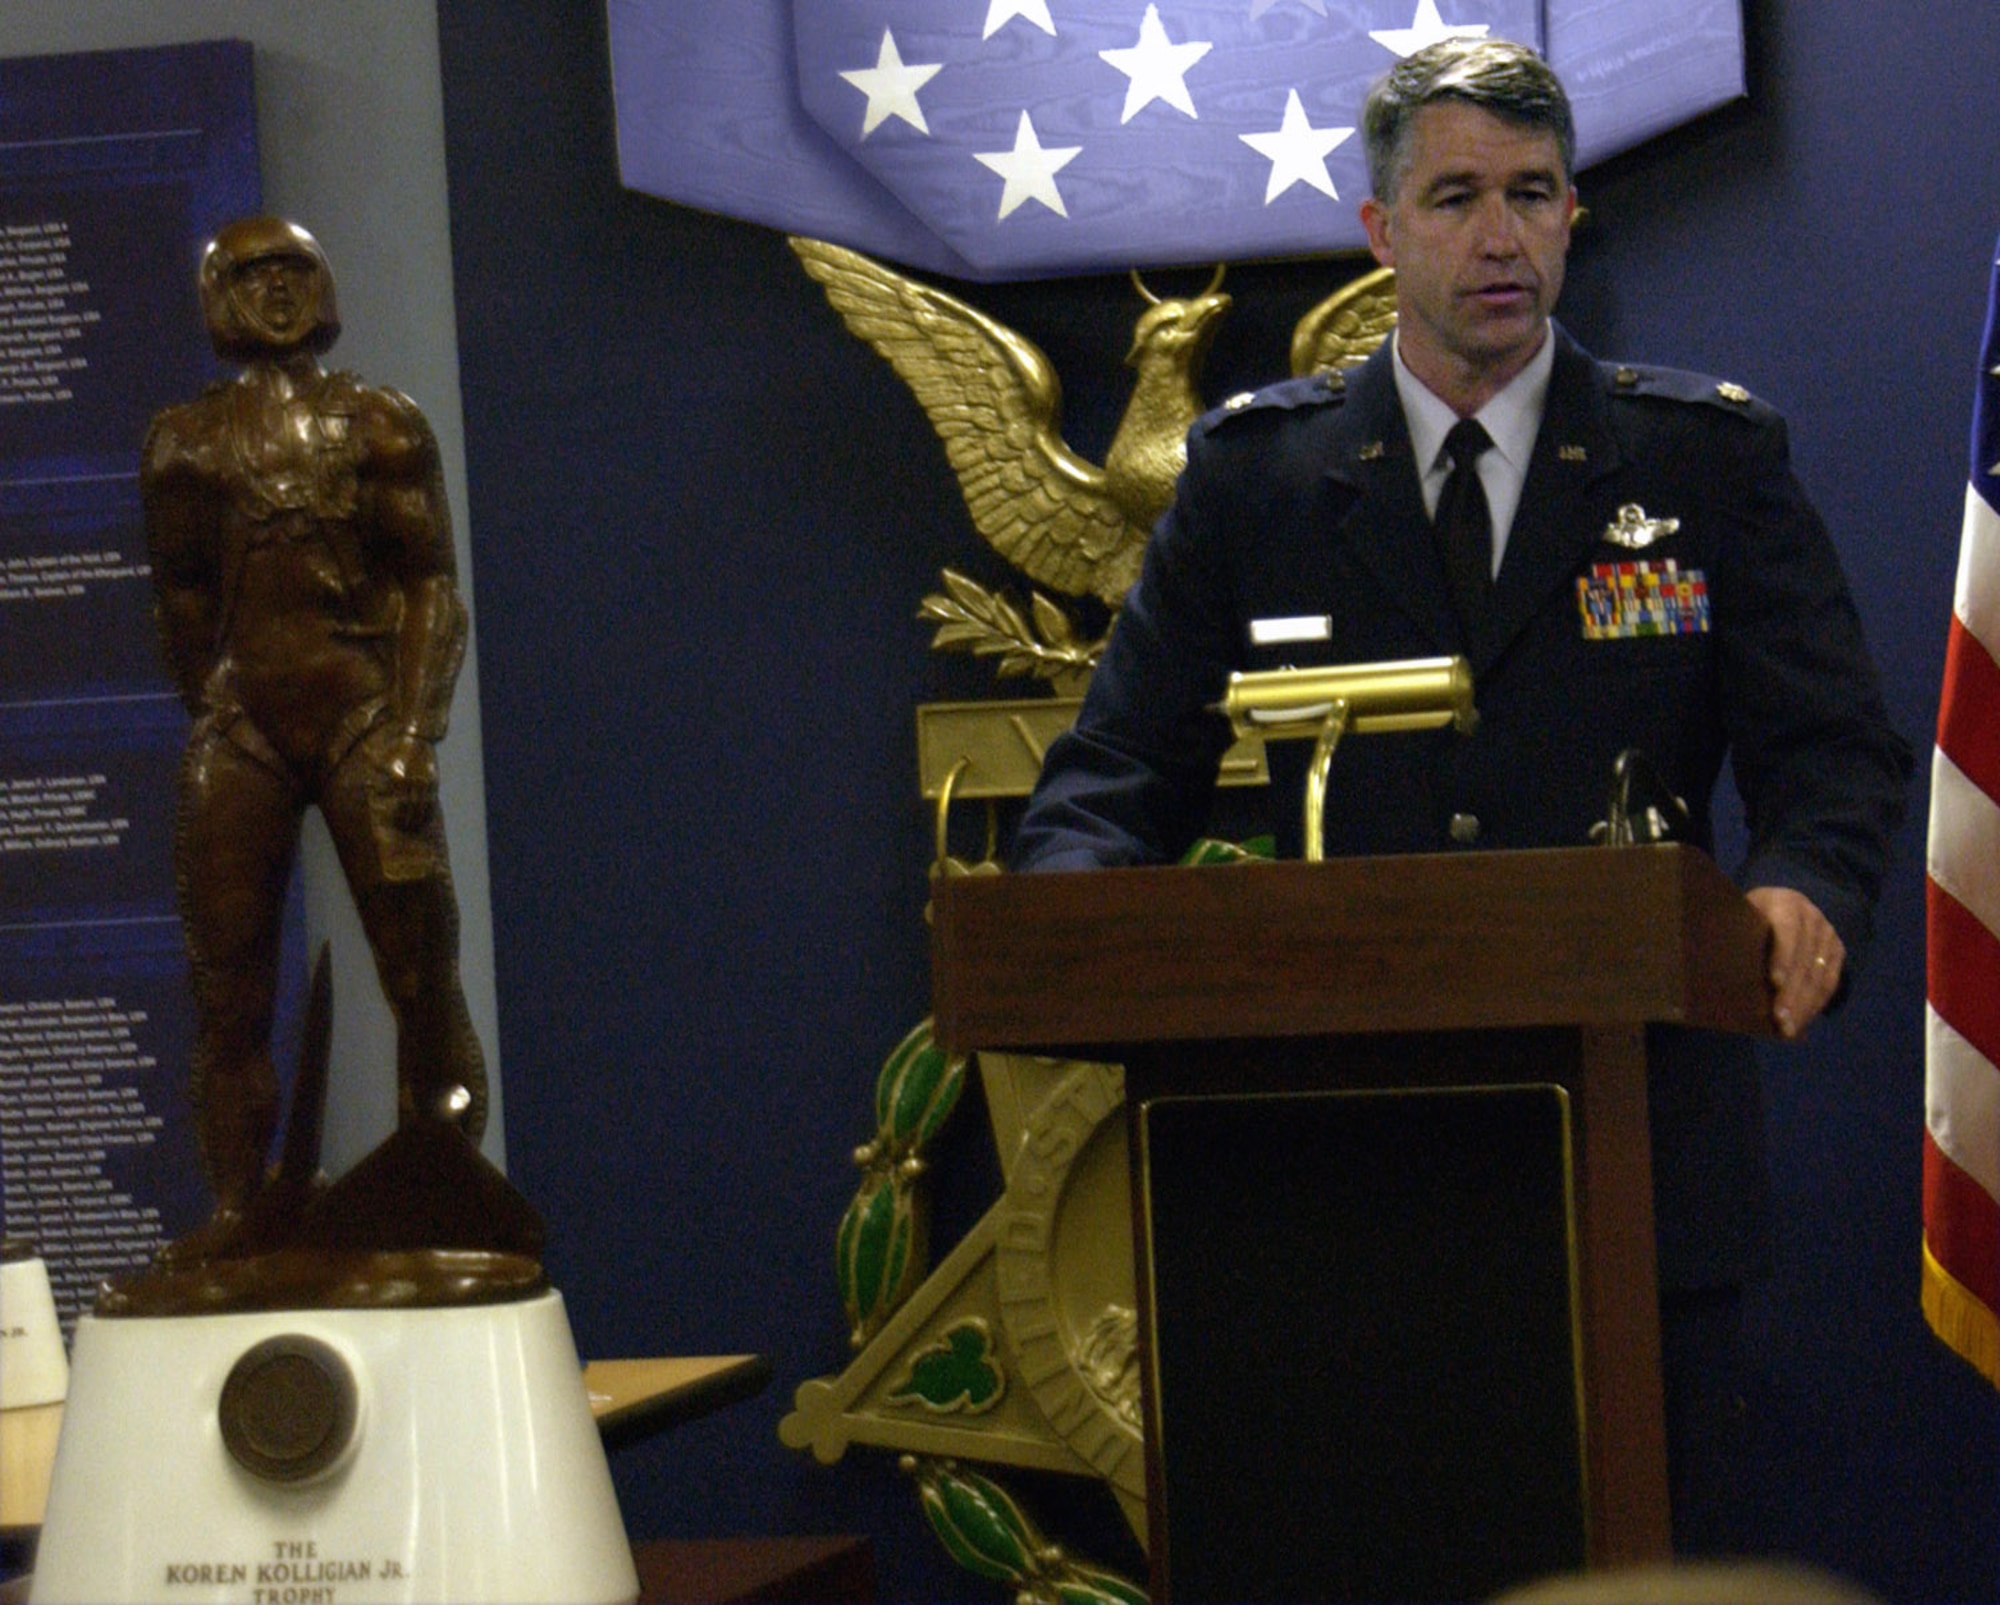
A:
[(1325, 703)]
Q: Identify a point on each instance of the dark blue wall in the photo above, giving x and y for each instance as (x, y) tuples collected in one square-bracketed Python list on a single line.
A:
[(703, 518)]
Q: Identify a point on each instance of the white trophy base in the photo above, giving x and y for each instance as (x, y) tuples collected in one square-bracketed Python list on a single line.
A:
[(472, 1470), (37, 1371)]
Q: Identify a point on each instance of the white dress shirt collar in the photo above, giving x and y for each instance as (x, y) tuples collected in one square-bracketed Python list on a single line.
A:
[(1513, 418)]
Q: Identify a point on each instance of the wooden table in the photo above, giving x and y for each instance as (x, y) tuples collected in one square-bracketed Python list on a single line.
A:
[(27, 1451), (831, 1570), (634, 1399)]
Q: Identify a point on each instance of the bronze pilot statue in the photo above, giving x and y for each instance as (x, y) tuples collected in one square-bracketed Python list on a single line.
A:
[(302, 564)]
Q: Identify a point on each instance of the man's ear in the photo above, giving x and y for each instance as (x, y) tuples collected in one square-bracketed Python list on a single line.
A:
[(1375, 219)]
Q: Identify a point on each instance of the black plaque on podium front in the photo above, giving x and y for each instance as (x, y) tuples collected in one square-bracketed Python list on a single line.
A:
[(1366, 1344)]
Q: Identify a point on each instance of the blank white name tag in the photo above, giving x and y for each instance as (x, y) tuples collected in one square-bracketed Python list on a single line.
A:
[(1280, 632)]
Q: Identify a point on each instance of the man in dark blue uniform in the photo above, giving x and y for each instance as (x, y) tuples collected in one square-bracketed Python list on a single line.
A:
[(1653, 577)]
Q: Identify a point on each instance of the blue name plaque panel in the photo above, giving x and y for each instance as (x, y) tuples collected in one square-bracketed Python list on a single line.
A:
[(114, 168)]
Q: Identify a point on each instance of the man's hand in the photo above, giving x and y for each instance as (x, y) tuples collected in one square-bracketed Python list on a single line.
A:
[(1806, 956)]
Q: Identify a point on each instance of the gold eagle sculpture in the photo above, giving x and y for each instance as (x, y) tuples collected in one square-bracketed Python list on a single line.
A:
[(995, 401)]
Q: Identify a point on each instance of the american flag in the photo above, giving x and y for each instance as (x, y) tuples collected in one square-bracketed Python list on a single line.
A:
[(1961, 1265), (995, 139)]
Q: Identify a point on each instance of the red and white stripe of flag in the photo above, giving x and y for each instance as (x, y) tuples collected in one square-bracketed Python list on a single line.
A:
[(1961, 1266)]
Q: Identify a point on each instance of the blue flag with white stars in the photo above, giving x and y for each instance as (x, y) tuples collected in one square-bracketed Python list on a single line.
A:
[(1002, 139)]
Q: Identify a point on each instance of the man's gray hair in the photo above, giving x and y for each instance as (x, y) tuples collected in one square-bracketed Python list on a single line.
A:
[(1496, 75)]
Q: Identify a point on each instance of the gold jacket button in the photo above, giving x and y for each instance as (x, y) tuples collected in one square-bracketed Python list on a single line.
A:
[(1464, 829)]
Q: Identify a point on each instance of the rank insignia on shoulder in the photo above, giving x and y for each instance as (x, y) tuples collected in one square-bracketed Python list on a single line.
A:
[(1729, 391), (1240, 400), (1623, 601), (1634, 531)]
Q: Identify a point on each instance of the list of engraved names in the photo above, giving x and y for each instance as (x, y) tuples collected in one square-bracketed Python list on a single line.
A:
[(44, 315), (68, 1101)]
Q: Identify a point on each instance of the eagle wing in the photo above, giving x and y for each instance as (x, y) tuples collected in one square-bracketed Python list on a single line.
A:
[(1348, 325), (996, 404)]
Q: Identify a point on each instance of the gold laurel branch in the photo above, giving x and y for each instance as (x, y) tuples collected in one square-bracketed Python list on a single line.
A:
[(987, 624)]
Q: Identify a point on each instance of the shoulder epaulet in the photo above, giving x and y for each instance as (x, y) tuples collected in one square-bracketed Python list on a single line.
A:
[(1288, 395), (1676, 384)]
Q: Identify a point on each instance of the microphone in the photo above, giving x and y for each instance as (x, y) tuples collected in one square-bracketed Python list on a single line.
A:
[(1663, 818)]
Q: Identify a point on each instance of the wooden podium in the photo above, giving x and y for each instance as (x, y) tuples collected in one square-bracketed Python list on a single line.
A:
[(1392, 1190)]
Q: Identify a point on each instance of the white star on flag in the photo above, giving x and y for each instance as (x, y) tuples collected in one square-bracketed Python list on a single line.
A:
[(1297, 151), (1000, 12), (1427, 29), (891, 86), (1157, 67), (1259, 7), (1030, 171)]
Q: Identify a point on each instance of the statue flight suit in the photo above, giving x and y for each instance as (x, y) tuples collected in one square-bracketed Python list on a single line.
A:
[(302, 564)]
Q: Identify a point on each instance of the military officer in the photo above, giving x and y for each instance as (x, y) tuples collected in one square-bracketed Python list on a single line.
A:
[(1653, 577)]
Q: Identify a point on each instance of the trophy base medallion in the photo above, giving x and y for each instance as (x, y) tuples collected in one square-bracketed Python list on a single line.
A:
[(332, 1457)]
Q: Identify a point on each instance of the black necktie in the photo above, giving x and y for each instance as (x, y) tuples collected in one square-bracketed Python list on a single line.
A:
[(1464, 524)]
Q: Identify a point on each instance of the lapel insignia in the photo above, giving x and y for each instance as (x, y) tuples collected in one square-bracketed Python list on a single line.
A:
[(1634, 531), (1732, 392), (1371, 453), (1572, 454), (1240, 400)]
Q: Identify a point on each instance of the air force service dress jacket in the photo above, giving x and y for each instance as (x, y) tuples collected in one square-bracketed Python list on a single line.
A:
[(1666, 587)]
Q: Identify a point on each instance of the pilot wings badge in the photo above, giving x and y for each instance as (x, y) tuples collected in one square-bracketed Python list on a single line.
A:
[(1634, 531)]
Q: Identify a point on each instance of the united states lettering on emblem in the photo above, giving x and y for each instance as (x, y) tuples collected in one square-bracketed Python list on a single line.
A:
[(1023, 138), (1961, 1200)]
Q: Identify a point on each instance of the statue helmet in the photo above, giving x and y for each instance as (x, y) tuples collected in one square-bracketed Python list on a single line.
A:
[(256, 239)]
